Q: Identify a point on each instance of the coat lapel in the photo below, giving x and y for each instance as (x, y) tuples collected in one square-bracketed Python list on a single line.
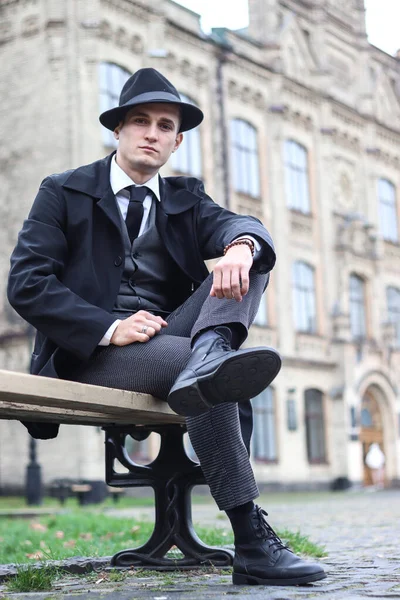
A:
[(94, 180)]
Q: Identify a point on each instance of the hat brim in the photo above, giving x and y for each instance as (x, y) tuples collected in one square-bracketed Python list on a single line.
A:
[(191, 115)]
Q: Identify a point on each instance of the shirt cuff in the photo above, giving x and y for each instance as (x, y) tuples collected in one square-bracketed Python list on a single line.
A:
[(105, 340), (257, 245)]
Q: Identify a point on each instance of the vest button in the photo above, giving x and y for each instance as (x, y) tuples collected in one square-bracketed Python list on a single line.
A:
[(118, 261)]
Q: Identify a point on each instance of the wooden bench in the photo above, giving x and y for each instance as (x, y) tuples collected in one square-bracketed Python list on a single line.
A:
[(121, 413)]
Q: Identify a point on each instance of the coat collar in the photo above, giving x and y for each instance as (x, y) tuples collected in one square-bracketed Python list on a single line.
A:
[(94, 180)]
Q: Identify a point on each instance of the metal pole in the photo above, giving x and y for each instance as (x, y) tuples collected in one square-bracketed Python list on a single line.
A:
[(33, 490)]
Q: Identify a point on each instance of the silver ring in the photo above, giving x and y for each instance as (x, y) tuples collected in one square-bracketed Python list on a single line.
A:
[(144, 329)]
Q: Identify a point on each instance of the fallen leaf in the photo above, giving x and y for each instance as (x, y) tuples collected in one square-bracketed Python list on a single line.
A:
[(59, 535), (26, 543), (86, 536), (38, 526), (107, 536), (135, 529), (35, 555), (44, 546), (69, 544)]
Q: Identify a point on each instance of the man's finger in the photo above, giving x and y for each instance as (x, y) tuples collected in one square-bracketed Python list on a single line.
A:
[(235, 285), (226, 283), (217, 283), (244, 277)]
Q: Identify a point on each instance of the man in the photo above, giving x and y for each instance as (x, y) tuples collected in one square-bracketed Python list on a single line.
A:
[(109, 268)]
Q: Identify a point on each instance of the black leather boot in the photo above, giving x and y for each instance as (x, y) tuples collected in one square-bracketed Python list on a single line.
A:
[(261, 558), (216, 373)]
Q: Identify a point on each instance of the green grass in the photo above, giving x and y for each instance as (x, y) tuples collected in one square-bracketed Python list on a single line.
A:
[(18, 502), (89, 533), (31, 579), (79, 533)]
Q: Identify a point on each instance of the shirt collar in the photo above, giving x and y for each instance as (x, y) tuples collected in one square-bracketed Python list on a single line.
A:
[(120, 180)]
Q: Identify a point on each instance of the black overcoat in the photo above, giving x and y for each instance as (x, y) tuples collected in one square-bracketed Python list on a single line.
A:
[(67, 266)]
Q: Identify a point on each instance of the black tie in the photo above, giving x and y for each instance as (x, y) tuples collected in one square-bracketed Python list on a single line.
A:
[(134, 215)]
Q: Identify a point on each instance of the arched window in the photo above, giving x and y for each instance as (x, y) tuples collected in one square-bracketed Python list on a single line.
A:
[(296, 176), (187, 159), (245, 163), (304, 306), (315, 426), (387, 210), (357, 307), (264, 433), (393, 307), (111, 81)]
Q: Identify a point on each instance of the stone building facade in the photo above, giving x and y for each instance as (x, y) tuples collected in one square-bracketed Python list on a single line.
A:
[(302, 130)]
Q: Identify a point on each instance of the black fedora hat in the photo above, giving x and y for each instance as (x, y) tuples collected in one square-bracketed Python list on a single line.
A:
[(148, 86)]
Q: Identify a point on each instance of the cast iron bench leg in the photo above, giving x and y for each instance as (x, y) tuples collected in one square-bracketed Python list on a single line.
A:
[(172, 475)]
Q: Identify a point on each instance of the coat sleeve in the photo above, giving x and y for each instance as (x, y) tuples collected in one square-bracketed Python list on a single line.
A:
[(35, 288), (217, 227)]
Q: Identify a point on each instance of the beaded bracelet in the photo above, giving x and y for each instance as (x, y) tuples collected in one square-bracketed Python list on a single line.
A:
[(245, 241)]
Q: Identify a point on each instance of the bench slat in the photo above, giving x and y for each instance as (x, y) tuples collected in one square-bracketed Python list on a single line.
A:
[(39, 395), (27, 412)]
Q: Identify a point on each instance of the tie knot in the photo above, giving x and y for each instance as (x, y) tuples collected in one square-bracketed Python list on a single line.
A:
[(138, 193)]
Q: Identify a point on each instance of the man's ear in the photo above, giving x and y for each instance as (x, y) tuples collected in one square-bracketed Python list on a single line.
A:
[(178, 141)]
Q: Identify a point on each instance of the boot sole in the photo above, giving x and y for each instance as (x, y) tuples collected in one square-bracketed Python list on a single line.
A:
[(237, 379), (240, 579)]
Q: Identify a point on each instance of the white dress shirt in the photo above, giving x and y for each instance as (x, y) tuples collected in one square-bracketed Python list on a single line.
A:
[(119, 180)]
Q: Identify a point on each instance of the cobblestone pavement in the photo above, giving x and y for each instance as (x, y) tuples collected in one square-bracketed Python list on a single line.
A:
[(360, 531)]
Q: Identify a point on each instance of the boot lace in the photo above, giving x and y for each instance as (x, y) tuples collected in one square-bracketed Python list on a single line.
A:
[(220, 343), (264, 531)]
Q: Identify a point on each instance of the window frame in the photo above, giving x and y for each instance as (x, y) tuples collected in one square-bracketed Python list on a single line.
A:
[(245, 159), (388, 220), (188, 159), (394, 291), (359, 302), (304, 298), (310, 417), (115, 76), (265, 420), (297, 176)]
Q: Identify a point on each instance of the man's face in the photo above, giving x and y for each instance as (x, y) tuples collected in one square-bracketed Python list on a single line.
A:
[(147, 137)]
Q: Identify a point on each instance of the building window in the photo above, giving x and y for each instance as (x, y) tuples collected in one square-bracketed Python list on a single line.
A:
[(296, 176), (393, 307), (187, 159), (357, 308), (264, 433), (261, 317), (387, 210), (304, 306), (111, 81), (245, 165), (315, 426)]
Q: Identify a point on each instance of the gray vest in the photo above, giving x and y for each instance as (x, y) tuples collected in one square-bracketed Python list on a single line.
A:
[(148, 272)]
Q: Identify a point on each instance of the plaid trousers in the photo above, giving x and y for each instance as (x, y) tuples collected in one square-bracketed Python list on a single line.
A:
[(152, 367)]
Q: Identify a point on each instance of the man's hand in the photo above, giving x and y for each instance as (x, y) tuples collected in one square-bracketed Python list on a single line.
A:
[(130, 329), (231, 274)]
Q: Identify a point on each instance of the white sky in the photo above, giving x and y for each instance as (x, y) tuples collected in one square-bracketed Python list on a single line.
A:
[(383, 18)]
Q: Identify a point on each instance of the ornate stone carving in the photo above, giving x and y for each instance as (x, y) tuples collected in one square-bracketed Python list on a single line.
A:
[(136, 44), (356, 236), (298, 118), (30, 26), (121, 37), (342, 138), (246, 94), (6, 32), (344, 186)]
